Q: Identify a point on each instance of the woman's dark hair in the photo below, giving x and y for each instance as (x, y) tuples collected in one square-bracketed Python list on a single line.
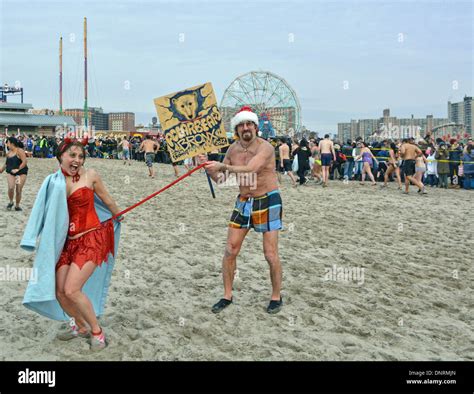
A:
[(303, 143), (14, 141), (394, 147), (469, 149), (65, 145)]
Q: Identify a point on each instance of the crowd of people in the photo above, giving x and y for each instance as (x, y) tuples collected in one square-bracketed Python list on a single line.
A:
[(427, 162), (42, 146), (18, 148), (107, 147)]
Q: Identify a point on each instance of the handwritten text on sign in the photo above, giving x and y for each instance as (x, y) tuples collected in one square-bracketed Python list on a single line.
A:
[(191, 122)]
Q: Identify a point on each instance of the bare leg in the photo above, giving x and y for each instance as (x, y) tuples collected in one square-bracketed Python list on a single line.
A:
[(325, 174), (318, 171), (369, 171), (414, 181), (362, 180), (279, 176), (19, 183), (399, 179), (68, 306), (418, 176), (292, 176), (11, 187), (75, 280), (387, 175), (235, 237), (270, 250)]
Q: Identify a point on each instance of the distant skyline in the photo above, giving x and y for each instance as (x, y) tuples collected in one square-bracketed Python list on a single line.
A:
[(345, 59)]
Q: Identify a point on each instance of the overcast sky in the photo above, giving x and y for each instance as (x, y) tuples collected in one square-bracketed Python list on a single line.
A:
[(344, 59)]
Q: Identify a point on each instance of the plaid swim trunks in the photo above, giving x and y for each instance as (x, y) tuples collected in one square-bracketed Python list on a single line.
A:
[(262, 213), (149, 159)]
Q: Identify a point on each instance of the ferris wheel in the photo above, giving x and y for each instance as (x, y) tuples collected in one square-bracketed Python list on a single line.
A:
[(270, 97)]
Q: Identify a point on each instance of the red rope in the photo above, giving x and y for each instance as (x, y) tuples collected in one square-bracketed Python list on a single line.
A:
[(159, 191)]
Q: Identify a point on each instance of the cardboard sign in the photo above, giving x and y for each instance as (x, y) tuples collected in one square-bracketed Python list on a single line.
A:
[(191, 122)]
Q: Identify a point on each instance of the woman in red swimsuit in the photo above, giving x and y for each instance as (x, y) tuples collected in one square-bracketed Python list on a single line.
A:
[(88, 243)]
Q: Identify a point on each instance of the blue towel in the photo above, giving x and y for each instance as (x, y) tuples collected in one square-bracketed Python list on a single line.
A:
[(49, 221)]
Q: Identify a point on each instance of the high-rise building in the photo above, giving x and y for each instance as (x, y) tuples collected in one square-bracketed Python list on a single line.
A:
[(95, 117), (354, 129), (388, 126), (282, 119), (100, 120), (344, 131), (367, 127), (461, 113), (122, 121)]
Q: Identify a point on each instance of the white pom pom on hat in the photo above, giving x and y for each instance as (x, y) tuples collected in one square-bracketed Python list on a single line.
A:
[(245, 114)]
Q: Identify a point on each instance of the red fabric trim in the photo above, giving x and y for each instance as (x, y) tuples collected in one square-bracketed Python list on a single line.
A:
[(94, 246)]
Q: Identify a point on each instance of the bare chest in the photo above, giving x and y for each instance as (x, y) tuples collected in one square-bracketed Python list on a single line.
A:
[(241, 157)]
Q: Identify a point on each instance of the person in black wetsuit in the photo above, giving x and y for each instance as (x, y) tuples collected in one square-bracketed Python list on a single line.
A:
[(17, 170), (304, 153)]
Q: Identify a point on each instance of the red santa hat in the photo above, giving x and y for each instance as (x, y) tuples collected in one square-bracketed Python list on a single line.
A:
[(245, 114)]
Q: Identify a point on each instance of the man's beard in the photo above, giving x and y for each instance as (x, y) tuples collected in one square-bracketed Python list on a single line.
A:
[(247, 136)]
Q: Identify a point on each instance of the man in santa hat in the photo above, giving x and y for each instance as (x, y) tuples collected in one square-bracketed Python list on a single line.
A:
[(258, 205)]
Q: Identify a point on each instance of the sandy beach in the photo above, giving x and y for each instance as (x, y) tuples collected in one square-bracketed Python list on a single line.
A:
[(410, 296)]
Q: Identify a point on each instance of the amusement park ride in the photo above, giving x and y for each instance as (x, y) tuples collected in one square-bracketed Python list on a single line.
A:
[(270, 96), (6, 90)]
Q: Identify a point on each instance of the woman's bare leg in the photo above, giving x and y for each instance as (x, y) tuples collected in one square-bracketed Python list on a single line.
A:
[(363, 174), (75, 280), (399, 178), (68, 306), (19, 183), (387, 175), (11, 187), (369, 171)]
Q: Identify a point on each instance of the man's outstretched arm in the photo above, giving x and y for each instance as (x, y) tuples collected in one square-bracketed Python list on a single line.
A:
[(216, 174)]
